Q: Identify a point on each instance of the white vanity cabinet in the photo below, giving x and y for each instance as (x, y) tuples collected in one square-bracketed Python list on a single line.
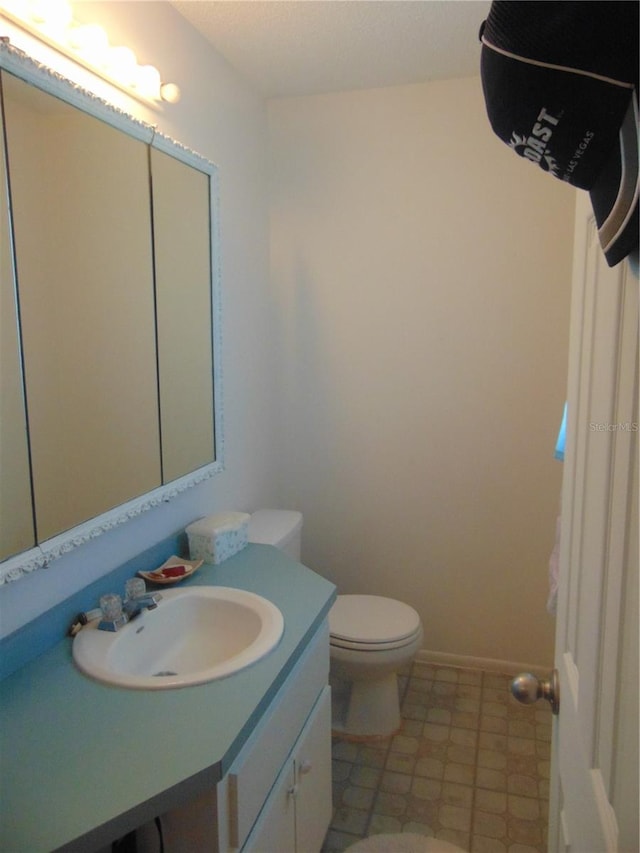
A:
[(276, 796), (296, 815)]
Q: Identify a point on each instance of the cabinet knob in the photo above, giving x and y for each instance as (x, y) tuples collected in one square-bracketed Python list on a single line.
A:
[(305, 767)]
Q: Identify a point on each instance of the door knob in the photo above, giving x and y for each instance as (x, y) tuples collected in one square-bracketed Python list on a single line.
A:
[(527, 688)]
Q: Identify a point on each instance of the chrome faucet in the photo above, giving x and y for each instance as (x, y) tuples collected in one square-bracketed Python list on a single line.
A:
[(133, 607), (128, 610), (114, 613)]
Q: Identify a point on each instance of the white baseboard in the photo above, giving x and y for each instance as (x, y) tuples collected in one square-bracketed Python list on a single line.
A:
[(487, 664)]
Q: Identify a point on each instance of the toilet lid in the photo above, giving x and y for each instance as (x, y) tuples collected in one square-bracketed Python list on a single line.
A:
[(358, 621)]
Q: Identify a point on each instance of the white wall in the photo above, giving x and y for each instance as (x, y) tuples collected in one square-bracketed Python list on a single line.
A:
[(223, 119), (422, 280), (424, 274)]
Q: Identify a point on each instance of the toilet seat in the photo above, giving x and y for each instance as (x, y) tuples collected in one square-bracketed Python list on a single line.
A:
[(372, 623)]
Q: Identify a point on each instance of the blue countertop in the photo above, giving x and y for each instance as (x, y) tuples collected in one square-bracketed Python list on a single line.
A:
[(84, 762)]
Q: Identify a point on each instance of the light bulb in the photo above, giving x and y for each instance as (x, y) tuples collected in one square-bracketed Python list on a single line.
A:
[(170, 92), (121, 63), (91, 41), (51, 17), (20, 8), (147, 82), (56, 13)]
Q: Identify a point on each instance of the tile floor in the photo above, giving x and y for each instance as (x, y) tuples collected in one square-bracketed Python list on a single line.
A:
[(470, 765)]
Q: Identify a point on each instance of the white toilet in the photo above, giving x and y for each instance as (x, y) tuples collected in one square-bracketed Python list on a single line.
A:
[(372, 637), (279, 527)]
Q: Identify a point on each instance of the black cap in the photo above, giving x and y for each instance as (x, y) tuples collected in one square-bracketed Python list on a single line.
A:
[(560, 82)]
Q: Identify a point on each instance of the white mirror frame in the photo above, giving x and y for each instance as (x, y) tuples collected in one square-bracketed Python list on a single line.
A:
[(21, 65)]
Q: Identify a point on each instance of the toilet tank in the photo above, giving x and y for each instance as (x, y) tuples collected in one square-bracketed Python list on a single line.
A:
[(279, 527)]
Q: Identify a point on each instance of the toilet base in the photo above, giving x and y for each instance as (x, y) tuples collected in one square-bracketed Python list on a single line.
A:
[(366, 709)]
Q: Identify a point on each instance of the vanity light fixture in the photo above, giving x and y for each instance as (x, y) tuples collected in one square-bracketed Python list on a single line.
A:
[(52, 21)]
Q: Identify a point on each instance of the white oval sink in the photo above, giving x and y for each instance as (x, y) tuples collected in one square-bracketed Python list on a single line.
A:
[(195, 634)]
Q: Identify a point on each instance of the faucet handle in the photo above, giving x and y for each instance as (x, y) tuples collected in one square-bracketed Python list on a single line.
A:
[(134, 588), (112, 616), (111, 606)]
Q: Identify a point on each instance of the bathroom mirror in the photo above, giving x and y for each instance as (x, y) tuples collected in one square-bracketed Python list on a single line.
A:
[(109, 311), (16, 516)]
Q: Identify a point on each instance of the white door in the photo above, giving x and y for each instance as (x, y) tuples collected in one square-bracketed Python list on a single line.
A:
[(594, 795)]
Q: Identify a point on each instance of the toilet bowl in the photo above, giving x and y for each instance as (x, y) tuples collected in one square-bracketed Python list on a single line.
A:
[(405, 842), (372, 638)]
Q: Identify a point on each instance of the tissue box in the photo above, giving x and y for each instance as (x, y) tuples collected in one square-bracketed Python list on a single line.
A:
[(217, 537)]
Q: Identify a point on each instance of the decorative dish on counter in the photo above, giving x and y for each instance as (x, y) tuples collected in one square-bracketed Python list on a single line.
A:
[(173, 570)]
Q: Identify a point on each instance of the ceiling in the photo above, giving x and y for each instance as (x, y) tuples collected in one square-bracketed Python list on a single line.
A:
[(303, 47)]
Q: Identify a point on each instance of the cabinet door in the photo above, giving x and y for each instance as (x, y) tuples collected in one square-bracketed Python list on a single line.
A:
[(313, 778), (252, 774), (275, 829)]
